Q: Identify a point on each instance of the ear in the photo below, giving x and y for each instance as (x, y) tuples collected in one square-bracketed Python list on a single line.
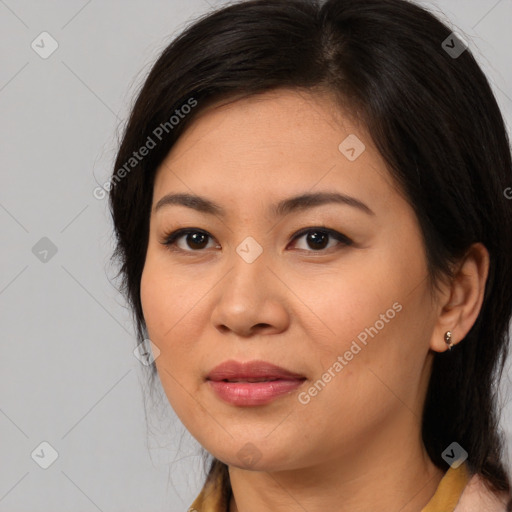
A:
[(459, 301)]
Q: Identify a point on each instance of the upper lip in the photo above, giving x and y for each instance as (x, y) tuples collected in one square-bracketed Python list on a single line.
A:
[(234, 370)]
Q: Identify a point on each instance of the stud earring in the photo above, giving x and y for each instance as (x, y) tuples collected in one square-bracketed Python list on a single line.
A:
[(448, 339)]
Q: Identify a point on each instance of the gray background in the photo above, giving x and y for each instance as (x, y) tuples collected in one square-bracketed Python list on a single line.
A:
[(68, 373)]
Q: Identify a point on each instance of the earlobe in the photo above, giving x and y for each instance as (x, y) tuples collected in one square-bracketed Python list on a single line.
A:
[(463, 300)]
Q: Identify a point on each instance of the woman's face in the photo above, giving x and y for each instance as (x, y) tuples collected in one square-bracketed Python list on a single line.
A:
[(333, 288)]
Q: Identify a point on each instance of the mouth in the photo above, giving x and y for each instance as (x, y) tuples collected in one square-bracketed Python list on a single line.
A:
[(252, 383), (249, 380), (250, 371)]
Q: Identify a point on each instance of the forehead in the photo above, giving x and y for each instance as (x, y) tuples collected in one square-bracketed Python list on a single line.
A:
[(273, 144)]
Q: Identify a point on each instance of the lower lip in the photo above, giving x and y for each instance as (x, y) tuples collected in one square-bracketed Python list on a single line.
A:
[(253, 393)]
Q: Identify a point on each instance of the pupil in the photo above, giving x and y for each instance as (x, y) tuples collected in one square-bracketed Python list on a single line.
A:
[(197, 240), (317, 240)]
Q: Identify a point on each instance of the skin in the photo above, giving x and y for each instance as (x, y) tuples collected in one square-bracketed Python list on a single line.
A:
[(356, 446)]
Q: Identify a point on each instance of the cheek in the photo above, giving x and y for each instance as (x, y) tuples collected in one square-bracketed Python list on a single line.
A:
[(351, 304), (167, 298), (168, 308), (374, 316), (175, 307)]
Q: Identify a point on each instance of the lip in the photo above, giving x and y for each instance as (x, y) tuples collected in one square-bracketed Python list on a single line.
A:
[(279, 382)]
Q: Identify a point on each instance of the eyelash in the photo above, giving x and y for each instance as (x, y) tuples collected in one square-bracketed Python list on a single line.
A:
[(171, 238)]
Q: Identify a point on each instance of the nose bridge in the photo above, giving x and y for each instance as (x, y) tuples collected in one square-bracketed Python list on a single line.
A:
[(249, 296), (249, 250), (246, 284)]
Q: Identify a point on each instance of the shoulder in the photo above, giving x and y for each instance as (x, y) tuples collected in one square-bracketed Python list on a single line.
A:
[(477, 497)]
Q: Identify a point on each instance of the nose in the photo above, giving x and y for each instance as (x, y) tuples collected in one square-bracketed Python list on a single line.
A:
[(251, 300)]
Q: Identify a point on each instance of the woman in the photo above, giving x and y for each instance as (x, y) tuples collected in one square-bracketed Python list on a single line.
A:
[(313, 230)]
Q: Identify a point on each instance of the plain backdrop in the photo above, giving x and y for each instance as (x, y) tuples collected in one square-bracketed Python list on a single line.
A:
[(69, 376)]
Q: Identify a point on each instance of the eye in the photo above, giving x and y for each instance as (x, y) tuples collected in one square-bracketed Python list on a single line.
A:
[(316, 238), (320, 238), (188, 240)]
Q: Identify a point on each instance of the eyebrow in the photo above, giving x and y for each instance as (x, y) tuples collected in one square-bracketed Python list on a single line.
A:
[(284, 207)]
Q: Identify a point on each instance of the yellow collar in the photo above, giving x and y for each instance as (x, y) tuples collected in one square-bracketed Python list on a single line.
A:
[(449, 490), (445, 498)]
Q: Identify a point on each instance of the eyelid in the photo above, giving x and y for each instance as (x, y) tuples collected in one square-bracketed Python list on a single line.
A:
[(331, 232), (169, 239)]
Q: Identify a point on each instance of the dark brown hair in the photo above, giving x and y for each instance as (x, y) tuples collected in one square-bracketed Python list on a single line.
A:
[(432, 116)]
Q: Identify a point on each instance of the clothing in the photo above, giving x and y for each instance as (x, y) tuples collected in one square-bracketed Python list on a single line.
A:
[(456, 492)]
